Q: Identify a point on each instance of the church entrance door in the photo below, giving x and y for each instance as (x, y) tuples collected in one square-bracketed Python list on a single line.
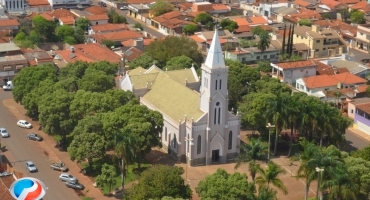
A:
[(216, 155)]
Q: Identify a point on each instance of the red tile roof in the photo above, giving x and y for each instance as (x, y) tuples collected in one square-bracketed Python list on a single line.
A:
[(349, 1), (327, 69), (67, 20), (97, 17), (118, 36), (131, 42), (197, 39), (133, 55), (296, 64), (185, 6), (9, 22), (364, 107), (96, 10), (58, 13), (254, 21), (302, 3), (109, 27), (348, 78), (167, 16), (35, 3), (46, 16), (359, 5), (219, 7), (243, 28), (325, 80), (5, 39), (91, 52)]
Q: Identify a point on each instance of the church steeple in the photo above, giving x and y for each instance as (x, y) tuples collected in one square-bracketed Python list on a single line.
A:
[(215, 58)]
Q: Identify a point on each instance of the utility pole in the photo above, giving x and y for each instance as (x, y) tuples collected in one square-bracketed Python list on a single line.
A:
[(269, 126)]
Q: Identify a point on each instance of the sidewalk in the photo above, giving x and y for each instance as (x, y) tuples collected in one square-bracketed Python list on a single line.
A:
[(55, 154), (359, 133)]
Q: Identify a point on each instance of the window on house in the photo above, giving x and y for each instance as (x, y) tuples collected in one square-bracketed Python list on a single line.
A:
[(243, 59), (230, 146), (361, 33), (324, 49), (306, 72), (165, 134), (216, 85), (96, 23), (272, 56), (301, 37), (264, 56), (352, 111), (301, 70), (199, 145), (317, 41), (258, 57), (317, 50)]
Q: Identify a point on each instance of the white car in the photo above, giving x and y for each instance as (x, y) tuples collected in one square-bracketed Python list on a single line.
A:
[(31, 167), (24, 124), (67, 178), (4, 133), (123, 8)]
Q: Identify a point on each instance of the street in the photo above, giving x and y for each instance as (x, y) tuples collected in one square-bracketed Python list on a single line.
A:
[(355, 141), (22, 150), (358, 55)]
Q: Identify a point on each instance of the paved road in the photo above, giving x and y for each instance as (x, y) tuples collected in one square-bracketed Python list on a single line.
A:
[(359, 55), (355, 142), (23, 150)]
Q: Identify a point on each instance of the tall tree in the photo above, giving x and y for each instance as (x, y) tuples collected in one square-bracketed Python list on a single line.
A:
[(96, 81), (283, 45), (161, 7), (123, 143), (289, 42), (271, 176), (107, 176), (179, 62), (203, 18), (159, 181), (264, 42)]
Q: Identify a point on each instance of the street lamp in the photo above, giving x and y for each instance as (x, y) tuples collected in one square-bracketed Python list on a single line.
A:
[(269, 126), (186, 155), (319, 171)]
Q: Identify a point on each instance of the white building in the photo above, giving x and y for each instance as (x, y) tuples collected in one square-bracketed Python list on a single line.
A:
[(289, 72), (13, 5), (198, 127)]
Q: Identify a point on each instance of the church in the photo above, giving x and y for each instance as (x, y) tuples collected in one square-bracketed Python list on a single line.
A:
[(198, 128)]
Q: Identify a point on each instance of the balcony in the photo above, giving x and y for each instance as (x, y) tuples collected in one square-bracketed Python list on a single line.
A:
[(275, 75), (331, 43)]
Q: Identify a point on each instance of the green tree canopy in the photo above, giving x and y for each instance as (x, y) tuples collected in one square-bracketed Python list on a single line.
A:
[(30, 77), (160, 181), (83, 23), (179, 62), (107, 177), (63, 31), (96, 81), (203, 18), (90, 146), (144, 61), (164, 50), (357, 17), (224, 186), (89, 124), (139, 26), (264, 66), (190, 29), (257, 30), (45, 28), (115, 18), (161, 7), (108, 43), (304, 22), (228, 24)]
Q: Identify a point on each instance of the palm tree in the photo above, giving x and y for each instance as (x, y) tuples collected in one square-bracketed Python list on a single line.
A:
[(309, 117), (266, 194), (250, 153), (325, 121), (264, 42), (271, 176), (293, 112), (304, 170), (341, 186), (124, 152)]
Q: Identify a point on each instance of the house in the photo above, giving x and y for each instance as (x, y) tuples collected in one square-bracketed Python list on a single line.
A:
[(277, 14), (106, 28), (202, 7), (172, 23), (302, 4), (70, 21), (38, 6), (317, 85), (58, 13), (323, 68), (353, 103), (322, 42), (11, 61), (362, 39), (139, 43), (116, 37), (68, 4), (9, 24), (98, 19), (37, 57), (250, 21), (332, 5), (353, 67), (289, 72), (96, 10), (204, 39), (140, 12), (252, 55), (220, 9), (6, 36), (347, 31), (90, 52), (262, 8), (306, 14), (131, 54), (362, 117), (197, 126)]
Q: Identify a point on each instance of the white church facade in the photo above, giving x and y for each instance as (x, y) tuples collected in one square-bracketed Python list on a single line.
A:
[(198, 128)]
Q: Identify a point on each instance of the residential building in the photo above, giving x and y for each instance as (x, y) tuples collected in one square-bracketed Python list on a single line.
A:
[(140, 12), (198, 128), (96, 10), (70, 21), (13, 6), (106, 28), (277, 14), (38, 6), (172, 23), (9, 24), (332, 5), (98, 19), (353, 67), (11, 61), (6, 36), (306, 14), (263, 9), (37, 57), (69, 3), (139, 43), (318, 85), (116, 37), (362, 118), (90, 52), (322, 42), (363, 38), (289, 72), (253, 55), (57, 13), (204, 39), (323, 68), (347, 31), (353, 103), (250, 21), (131, 54)]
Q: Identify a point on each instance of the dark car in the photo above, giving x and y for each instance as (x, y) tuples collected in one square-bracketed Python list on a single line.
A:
[(76, 185), (34, 136), (365, 61)]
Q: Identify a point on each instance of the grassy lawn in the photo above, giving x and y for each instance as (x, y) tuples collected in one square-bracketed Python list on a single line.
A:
[(130, 176)]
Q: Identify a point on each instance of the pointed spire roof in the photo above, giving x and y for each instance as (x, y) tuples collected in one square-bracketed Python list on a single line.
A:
[(215, 58)]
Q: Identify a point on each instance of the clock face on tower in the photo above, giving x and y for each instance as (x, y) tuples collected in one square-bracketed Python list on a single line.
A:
[(218, 75)]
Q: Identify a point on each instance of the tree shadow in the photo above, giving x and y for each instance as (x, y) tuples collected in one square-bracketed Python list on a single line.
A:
[(347, 146), (156, 156)]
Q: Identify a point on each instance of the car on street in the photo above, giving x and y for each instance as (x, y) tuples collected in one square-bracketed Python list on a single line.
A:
[(365, 61), (67, 178), (123, 8), (34, 136), (75, 185), (58, 167), (4, 133), (24, 124), (31, 167)]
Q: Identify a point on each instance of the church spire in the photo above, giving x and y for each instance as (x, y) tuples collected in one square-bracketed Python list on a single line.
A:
[(215, 58)]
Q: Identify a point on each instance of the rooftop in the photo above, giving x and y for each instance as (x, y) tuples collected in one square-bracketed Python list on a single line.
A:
[(35, 3), (321, 81), (97, 17), (364, 107), (4, 47), (360, 101), (58, 13), (323, 68), (132, 53), (353, 67), (9, 22), (109, 27), (296, 64), (96, 10), (67, 20), (119, 35)]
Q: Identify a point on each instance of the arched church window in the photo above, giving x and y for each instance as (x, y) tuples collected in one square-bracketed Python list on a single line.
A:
[(230, 146), (220, 84), (199, 145), (219, 115), (215, 116), (216, 85)]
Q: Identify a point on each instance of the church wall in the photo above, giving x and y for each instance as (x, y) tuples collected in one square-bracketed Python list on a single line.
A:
[(198, 157), (170, 130)]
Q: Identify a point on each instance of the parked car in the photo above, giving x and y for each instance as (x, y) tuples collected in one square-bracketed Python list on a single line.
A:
[(4, 133), (58, 167), (76, 185), (123, 8), (8, 86), (34, 136), (24, 124), (31, 167), (67, 178)]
